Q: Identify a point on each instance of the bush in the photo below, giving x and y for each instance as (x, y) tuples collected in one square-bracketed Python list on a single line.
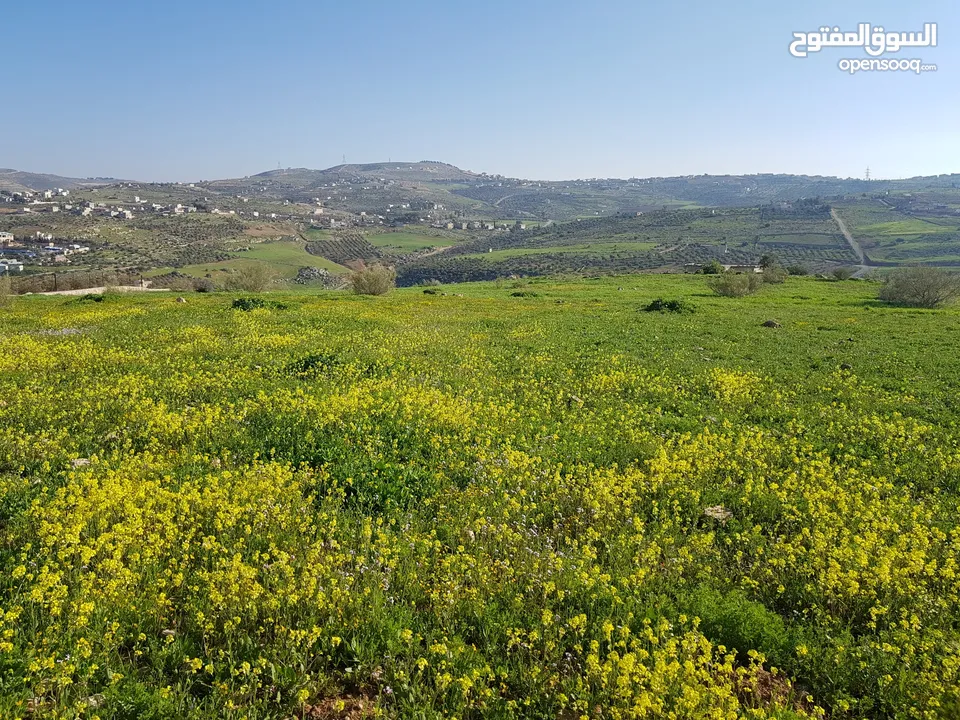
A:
[(712, 268), (843, 273), (252, 278), (735, 284), (798, 270), (732, 619), (774, 274), (372, 279), (248, 304), (924, 287), (673, 306), (314, 364)]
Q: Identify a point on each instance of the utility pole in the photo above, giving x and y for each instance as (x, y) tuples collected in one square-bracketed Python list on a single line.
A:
[(867, 175)]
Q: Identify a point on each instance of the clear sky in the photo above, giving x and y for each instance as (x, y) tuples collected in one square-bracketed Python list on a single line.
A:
[(545, 89)]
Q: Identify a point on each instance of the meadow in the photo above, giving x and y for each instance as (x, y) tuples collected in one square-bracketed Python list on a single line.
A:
[(405, 242), (498, 500), (282, 258)]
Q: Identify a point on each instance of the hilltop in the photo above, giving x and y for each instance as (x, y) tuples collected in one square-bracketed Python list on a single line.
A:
[(17, 180), (425, 170)]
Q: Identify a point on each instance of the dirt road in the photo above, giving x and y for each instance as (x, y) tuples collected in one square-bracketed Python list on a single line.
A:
[(864, 267)]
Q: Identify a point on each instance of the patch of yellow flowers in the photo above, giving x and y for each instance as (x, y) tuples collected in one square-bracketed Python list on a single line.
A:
[(471, 521)]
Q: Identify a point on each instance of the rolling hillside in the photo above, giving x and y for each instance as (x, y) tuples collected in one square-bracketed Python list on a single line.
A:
[(18, 181)]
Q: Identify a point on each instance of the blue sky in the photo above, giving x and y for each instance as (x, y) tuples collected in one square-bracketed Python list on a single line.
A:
[(200, 89)]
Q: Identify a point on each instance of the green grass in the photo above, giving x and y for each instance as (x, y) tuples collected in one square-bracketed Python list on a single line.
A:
[(284, 258), (408, 241), (450, 504), (912, 226)]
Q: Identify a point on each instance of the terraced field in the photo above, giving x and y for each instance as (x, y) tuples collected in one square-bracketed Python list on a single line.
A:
[(666, 239), (903, 231)]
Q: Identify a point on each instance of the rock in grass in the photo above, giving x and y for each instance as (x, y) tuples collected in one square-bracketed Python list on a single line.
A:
[(718, 512), (772, 324)]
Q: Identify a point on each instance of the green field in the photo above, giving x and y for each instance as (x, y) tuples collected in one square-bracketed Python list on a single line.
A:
[(526, 499), (905, 227), (284, 258), (407, 241)]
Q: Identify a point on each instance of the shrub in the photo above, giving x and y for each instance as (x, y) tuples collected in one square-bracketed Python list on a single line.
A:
[(798, 270), (735, 284), (732, 619), (774, 274), (314, 364), (524, 294), (673, 306), (843, 273), (925, 287), (372, 279), (252, 278), (712, 268), (248, 304), (203, 285)]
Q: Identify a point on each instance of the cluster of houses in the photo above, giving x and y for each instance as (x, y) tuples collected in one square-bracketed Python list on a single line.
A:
[(40, 250), (476, 225), (84, 209), (7, 265), (23, 196)]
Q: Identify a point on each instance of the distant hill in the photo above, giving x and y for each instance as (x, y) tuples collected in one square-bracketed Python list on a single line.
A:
[(17, 180), (425, 171), (405, 192), (372, 188)]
